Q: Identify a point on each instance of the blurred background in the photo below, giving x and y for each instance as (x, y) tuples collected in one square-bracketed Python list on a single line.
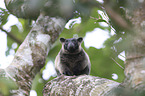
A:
[(101, 42)]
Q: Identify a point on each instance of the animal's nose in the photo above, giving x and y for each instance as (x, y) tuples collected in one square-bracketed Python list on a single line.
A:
[(71, 46)]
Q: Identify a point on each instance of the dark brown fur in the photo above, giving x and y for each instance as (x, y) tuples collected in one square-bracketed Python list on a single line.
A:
[(72, 63)]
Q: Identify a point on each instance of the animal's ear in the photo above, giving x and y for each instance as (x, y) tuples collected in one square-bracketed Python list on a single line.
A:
[(62, 40), (80, 39)]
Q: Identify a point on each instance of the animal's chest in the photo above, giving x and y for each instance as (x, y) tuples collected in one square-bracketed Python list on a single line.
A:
[(72, 60)]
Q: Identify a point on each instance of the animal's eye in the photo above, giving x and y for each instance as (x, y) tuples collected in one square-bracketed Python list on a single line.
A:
[(66, 41)]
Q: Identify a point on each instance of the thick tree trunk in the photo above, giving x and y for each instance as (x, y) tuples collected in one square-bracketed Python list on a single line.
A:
[(32, 53), (135, 55)]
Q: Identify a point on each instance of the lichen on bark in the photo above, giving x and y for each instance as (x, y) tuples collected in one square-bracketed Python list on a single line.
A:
[(32, 53), (83, 85)]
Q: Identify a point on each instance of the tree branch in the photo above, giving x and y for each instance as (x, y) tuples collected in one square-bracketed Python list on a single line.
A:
[(31, 55), (83, 85)]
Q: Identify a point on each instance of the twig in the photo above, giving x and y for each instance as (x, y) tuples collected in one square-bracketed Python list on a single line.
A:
[(117, 63), (11, 36), (118, 19)]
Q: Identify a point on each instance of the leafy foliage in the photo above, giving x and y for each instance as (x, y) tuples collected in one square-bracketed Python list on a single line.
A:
[(3, 16), (16, 34)]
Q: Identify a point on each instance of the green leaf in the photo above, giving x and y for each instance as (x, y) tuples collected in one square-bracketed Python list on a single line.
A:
[(101, 20)]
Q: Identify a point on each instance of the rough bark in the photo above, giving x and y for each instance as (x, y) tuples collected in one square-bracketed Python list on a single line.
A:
[(31, 55), (135, 55), (83, 85)]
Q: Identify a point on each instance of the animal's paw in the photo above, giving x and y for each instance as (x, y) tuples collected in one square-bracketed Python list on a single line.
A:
[(68, 73)]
